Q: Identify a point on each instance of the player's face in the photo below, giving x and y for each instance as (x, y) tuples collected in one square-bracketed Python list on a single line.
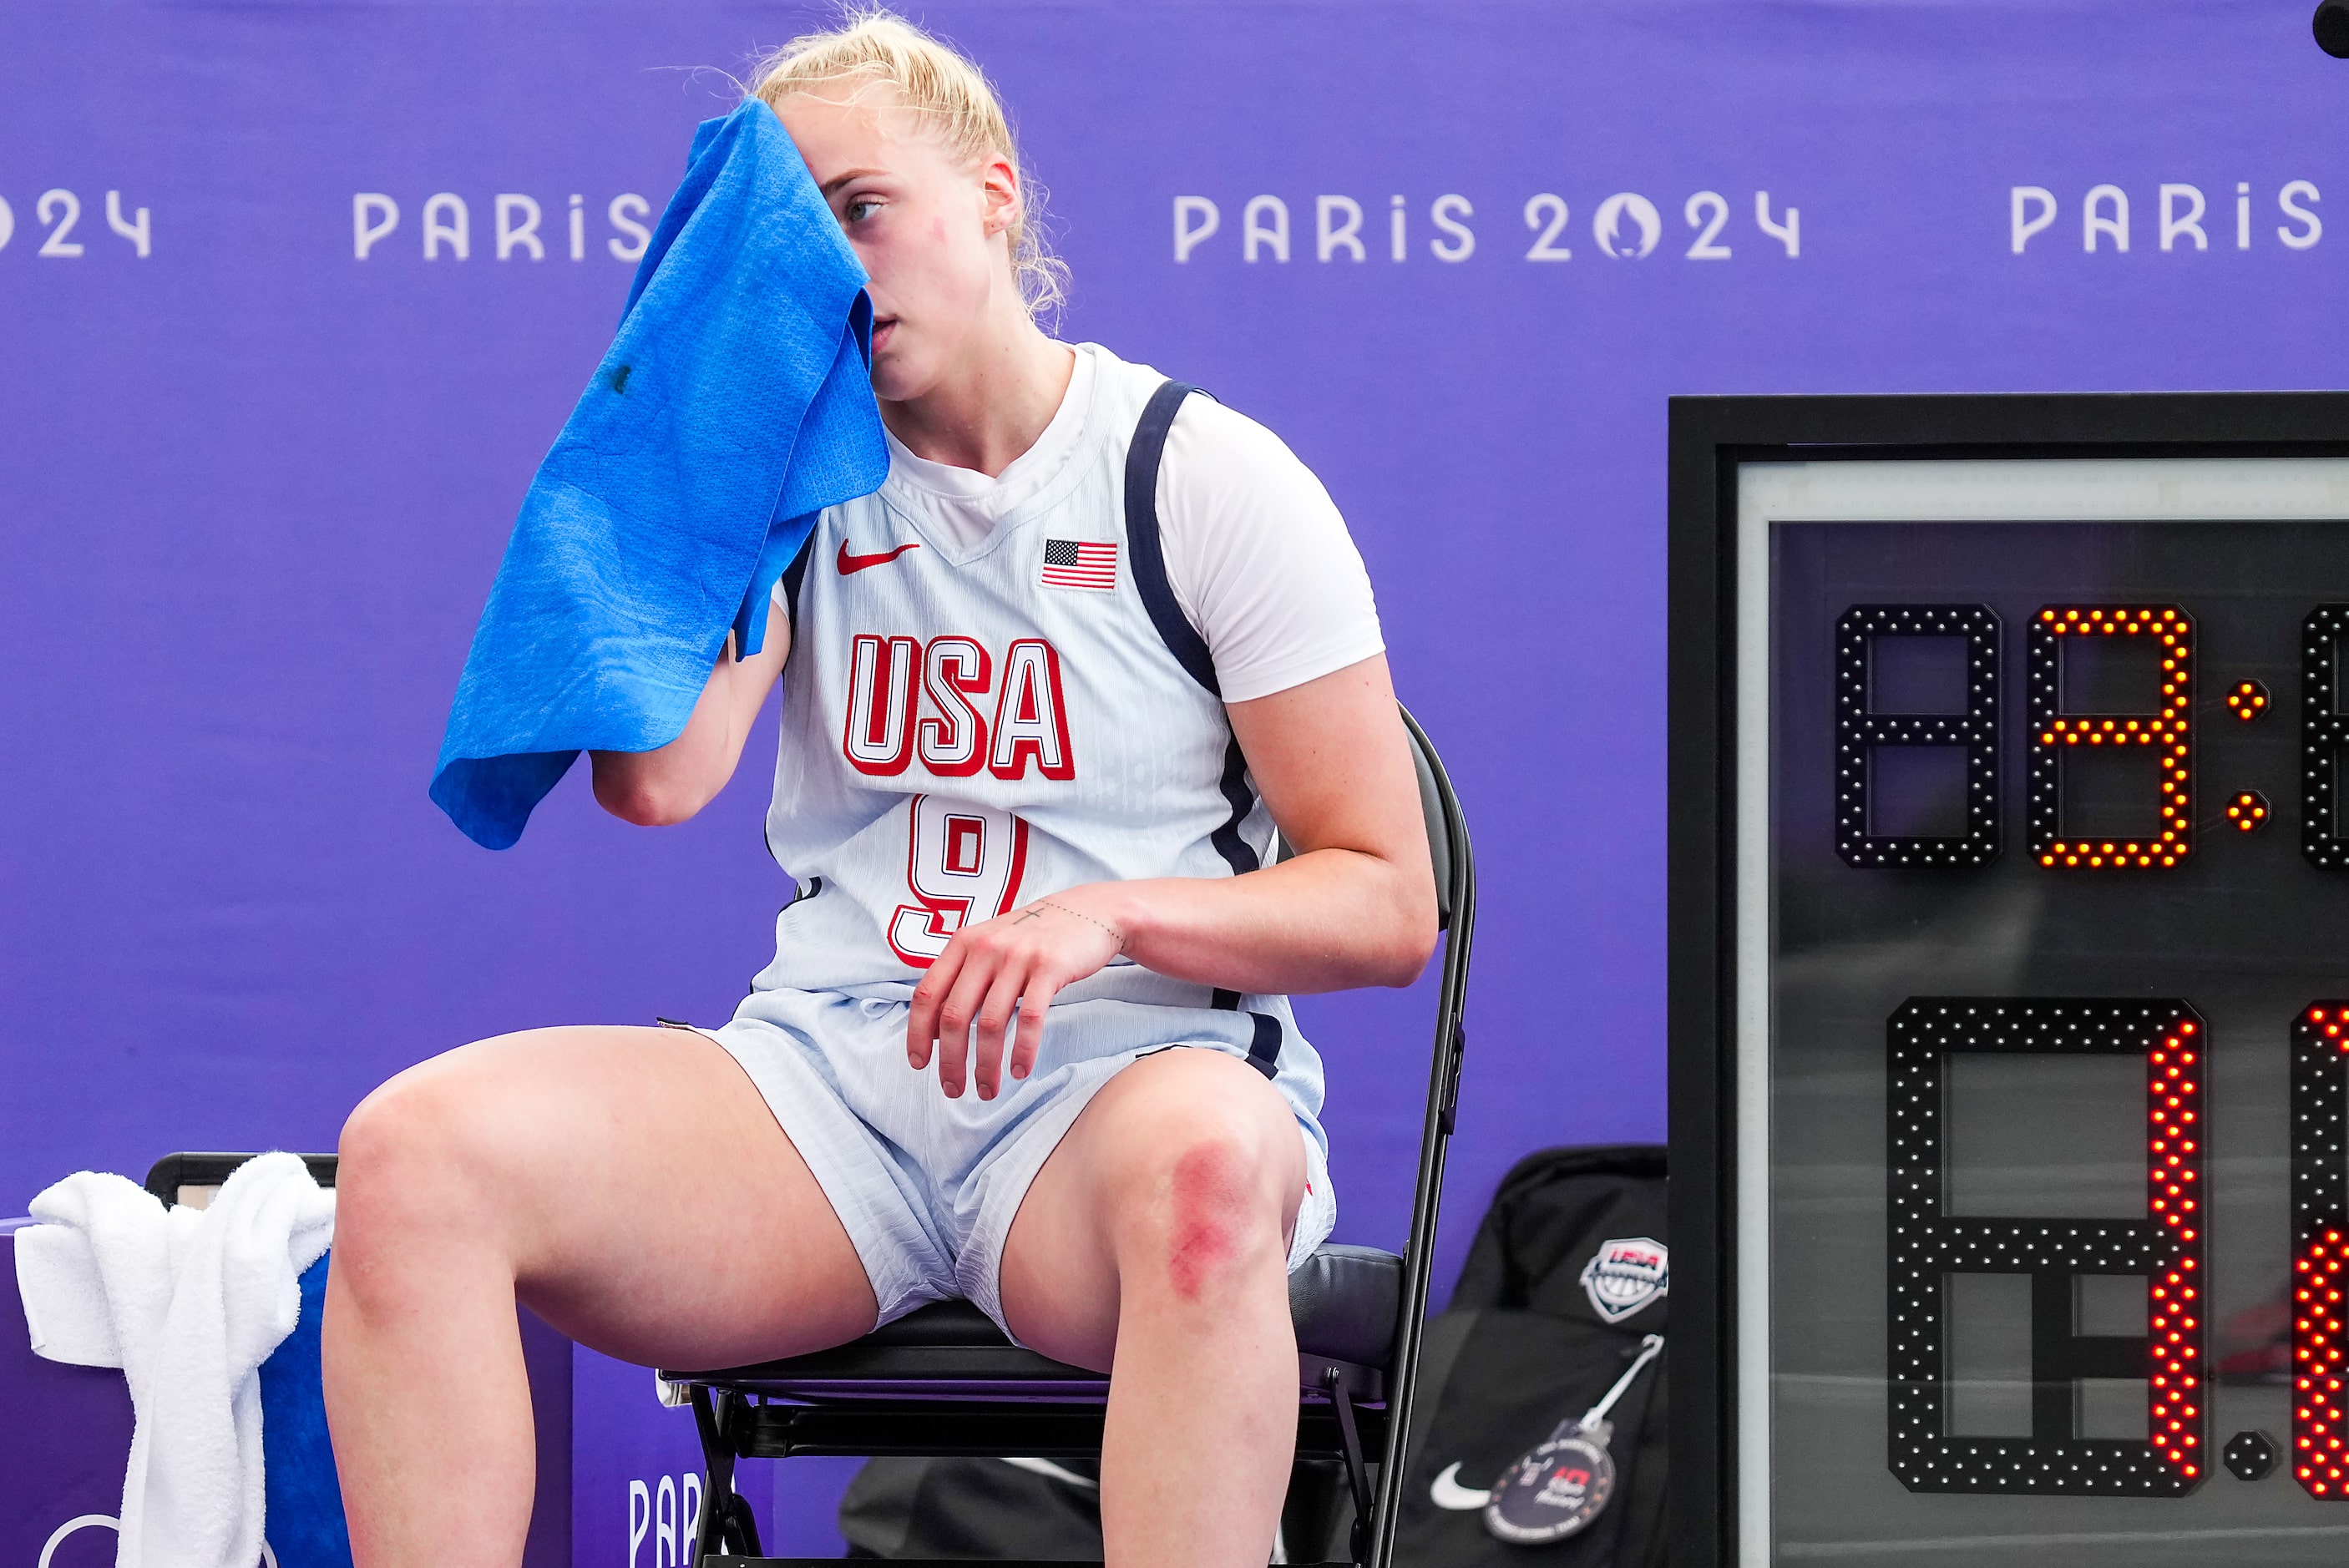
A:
[(927, 224)]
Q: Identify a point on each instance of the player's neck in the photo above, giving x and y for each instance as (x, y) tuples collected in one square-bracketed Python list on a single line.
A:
[(993, 406)]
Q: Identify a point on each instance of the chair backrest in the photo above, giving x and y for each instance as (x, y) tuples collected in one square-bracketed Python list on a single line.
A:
[(1432, 792), (194, 1179), (1455, 896)]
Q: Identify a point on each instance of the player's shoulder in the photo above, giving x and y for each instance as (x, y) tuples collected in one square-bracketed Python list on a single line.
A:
[(1220, 458), (1213, 431), (1206, 433)]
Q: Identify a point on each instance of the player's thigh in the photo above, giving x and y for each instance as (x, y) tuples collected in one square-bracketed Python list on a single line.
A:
[(1181, 1140), (634, 1181)]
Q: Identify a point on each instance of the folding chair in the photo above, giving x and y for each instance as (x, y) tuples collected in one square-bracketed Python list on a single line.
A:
[(192, 1178), (943, 1381)]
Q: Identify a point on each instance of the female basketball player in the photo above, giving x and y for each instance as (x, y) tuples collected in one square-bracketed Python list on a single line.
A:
[(1035, 742)]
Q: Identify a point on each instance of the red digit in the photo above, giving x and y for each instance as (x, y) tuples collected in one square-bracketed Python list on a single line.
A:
[(2320, 1208)]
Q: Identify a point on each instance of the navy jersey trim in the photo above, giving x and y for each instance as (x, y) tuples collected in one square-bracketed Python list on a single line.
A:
[(1265, 1042), (1264, 1050), (796, 573), (1143, 455), (1190, 650), (1141, 459), (1236, 851), (793, 575)]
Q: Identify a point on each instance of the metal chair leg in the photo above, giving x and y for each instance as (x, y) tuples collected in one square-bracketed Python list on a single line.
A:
[(743, 1527), (1357, 1472), (726, 1522)]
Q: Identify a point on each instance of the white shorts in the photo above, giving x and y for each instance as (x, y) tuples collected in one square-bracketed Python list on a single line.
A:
[(928, 1186)]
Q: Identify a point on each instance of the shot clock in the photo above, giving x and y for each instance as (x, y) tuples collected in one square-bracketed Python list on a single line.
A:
[(2010, 979)]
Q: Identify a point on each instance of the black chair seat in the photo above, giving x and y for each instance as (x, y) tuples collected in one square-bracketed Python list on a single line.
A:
[(1344, 1302)]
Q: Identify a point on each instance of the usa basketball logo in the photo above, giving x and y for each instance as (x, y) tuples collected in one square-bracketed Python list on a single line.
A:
[(1622, 1277)]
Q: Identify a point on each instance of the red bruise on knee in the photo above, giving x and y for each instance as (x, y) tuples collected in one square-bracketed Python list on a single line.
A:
[(1219, 1217)]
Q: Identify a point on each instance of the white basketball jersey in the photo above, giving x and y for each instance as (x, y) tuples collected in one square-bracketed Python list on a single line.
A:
[(964, 732)]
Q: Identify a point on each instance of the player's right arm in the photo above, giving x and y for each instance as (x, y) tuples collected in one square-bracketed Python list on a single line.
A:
[(655, 788)]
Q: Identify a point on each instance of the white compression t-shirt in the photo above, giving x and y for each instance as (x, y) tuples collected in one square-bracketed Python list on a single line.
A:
[(1256, 553)]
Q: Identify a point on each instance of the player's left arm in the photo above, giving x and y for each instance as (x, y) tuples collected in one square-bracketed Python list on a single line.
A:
[(1355, 906)]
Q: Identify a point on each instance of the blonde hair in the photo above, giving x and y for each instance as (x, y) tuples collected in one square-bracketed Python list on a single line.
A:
[(953, 98)]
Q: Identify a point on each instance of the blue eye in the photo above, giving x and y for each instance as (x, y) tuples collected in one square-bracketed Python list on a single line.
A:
[(858, 207)]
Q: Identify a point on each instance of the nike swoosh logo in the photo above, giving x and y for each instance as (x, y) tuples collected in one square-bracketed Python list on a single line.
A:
[(851, 564), (1448, 1494)]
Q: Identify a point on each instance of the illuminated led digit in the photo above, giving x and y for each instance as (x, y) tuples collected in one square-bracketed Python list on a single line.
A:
[(2168, 732), (1928, 1245), (1860, 728), (2323, 732), (2320, 1248)]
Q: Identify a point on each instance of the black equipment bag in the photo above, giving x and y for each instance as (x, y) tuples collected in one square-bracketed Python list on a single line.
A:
[(996, 1509), (1567, 1275), (1523, 1346), (973, 1508)]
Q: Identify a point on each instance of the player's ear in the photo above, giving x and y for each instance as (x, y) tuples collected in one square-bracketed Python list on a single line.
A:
[(1001, 201)]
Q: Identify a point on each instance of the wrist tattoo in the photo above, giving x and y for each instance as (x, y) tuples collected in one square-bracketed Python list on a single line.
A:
[(1116, 935)]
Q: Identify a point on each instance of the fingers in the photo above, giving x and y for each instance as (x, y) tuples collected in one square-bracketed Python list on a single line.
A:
[(922, 1019), (997, 979), (954, 1028), (1033, 1005), (966, 1010), (993, 1035), (955, 1015)]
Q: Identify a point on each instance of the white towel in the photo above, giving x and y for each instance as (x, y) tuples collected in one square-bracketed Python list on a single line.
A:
[(189, 1303)]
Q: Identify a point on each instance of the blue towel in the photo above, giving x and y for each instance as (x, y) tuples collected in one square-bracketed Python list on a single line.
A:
[(734, 405), (304, 1497)]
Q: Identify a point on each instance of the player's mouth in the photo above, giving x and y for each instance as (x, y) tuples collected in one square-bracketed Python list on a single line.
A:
[(883, 328)]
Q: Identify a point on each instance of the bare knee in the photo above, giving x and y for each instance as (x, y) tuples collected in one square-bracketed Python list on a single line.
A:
[(415, 1158), (1205, 1199), (1221, 1224)]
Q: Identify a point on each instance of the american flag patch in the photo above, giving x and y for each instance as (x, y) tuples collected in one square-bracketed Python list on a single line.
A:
[(1079, 563)]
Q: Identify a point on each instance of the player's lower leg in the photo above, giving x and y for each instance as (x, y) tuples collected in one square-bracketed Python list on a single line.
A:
[(1201, 1430)]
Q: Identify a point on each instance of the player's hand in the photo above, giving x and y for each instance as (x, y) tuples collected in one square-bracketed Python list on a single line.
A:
[(1000, 977)]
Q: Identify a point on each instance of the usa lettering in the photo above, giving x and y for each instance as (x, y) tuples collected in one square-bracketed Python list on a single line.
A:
[(958, 708)]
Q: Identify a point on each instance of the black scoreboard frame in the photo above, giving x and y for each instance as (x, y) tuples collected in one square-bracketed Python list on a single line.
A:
[(1709, 439)]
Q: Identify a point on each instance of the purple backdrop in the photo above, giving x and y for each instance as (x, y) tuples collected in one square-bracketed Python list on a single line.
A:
[(253, 487)]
